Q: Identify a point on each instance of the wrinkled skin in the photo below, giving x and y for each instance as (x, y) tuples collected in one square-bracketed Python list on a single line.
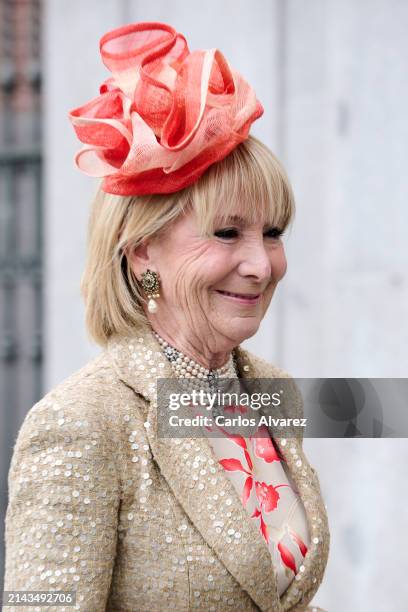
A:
[(191, 315)]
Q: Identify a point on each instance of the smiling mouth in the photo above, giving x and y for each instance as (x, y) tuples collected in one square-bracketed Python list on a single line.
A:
[(245, 297)]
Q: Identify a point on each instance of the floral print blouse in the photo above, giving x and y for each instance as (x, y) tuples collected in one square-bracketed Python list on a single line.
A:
[(270, 497), (267, 491)]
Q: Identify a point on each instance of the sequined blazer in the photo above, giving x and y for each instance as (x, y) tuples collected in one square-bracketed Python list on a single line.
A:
[(100, 505)]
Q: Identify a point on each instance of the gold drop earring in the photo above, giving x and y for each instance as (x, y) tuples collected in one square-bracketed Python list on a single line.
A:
[(151, 286)]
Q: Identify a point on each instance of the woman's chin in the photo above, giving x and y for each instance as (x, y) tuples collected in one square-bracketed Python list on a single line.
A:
[(241, 328)]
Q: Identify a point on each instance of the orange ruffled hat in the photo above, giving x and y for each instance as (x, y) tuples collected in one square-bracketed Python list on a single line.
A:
[(164, 116)]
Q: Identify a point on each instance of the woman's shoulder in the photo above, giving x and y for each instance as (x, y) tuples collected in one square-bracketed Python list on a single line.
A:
[(88, 385), (90, 400)]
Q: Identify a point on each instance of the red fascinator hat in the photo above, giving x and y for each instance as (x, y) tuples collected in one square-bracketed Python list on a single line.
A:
[(164, 116)]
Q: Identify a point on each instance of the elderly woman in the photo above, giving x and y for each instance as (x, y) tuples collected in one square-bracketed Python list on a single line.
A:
[(185, 254)]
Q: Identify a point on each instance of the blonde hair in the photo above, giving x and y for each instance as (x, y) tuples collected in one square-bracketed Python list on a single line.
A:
[(249, 182)]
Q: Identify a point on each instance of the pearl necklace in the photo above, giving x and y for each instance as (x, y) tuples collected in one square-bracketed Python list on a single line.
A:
[(185, 367)]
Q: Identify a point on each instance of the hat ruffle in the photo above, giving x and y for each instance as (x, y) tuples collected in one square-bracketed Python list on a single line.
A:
[(164, 116)]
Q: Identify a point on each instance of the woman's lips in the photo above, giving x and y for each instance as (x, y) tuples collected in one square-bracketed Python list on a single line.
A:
[(241, 298)]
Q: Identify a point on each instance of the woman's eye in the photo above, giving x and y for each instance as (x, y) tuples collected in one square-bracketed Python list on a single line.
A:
[(274, 232), (226, 233)]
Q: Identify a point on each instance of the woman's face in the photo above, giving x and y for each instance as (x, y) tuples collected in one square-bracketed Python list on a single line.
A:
[(214, 291)]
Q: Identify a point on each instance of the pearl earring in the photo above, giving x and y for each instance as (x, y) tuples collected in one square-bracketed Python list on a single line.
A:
[(150, 284)]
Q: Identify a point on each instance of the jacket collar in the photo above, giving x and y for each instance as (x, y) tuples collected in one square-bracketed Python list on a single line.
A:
[(138, 361)]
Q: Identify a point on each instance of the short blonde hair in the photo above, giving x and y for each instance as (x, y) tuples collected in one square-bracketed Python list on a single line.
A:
[(249, 182)]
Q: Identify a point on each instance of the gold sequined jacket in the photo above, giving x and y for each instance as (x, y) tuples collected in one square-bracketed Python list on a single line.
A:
[(100, 505)]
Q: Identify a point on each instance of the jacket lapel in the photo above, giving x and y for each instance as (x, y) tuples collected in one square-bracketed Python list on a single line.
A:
[(209, 499)]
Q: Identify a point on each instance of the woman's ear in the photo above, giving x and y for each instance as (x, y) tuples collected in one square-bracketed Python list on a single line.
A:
[(139, 258)]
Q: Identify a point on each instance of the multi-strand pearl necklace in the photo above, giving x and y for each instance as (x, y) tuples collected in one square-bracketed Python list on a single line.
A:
[(185, 367), (195, 377)]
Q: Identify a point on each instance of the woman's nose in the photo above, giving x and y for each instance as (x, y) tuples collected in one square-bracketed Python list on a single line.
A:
[(256, 261)]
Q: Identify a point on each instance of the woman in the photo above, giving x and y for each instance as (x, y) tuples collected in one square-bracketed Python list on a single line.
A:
[(185, 253)]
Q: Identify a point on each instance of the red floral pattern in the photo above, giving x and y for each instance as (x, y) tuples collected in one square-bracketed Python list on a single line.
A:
[(258, 474)]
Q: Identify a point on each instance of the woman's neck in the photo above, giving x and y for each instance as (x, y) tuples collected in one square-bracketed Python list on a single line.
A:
[(202, 355)]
